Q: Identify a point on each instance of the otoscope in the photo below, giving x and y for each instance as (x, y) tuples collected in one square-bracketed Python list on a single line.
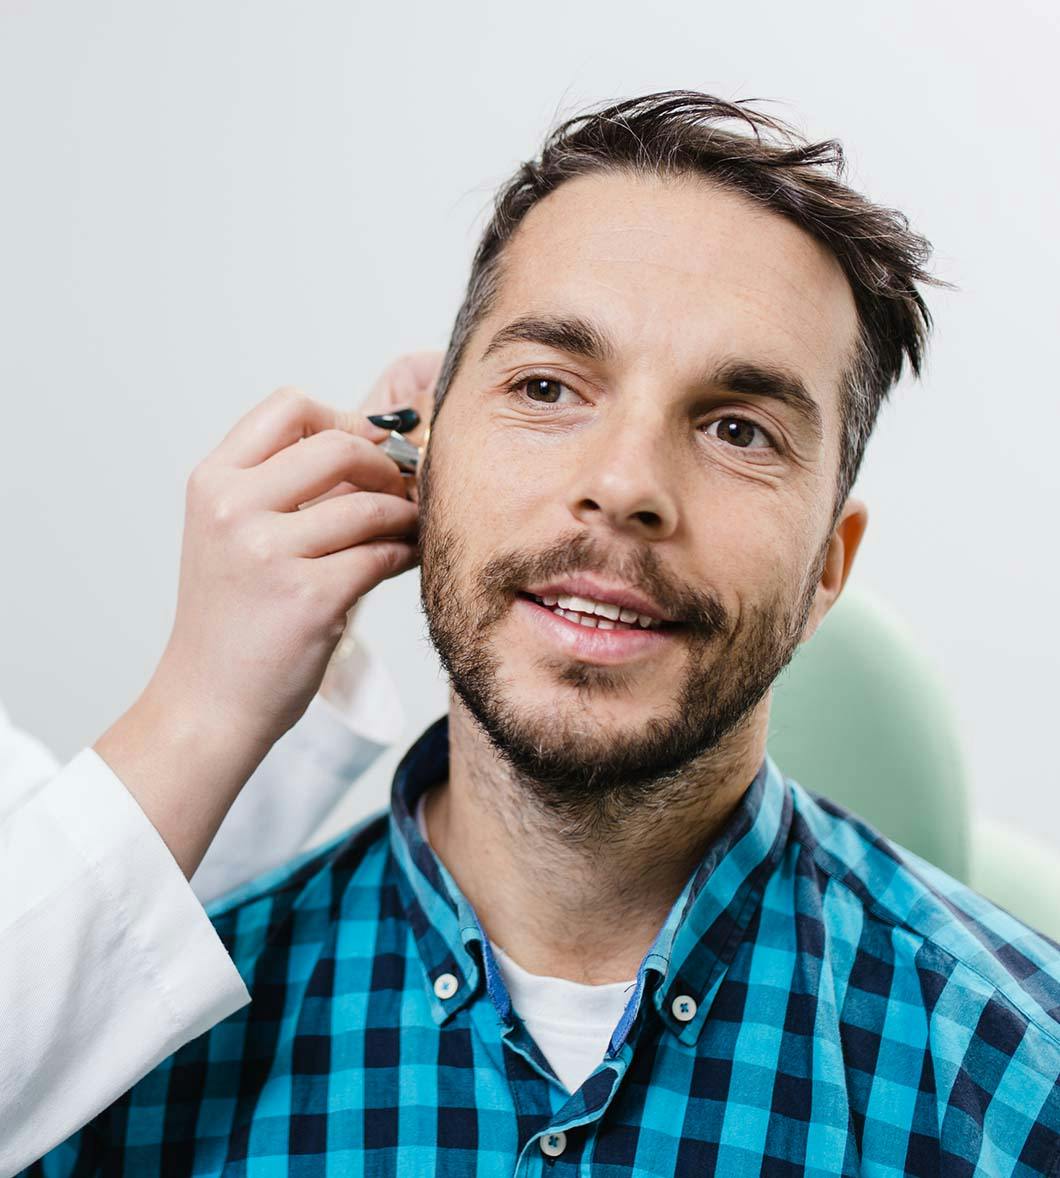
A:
[(397, 447)]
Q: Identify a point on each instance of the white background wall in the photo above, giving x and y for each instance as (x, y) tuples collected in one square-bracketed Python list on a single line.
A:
[(201, 201)]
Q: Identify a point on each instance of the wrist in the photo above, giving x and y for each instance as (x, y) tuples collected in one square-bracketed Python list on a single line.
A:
[(184, 761), (192, 703)]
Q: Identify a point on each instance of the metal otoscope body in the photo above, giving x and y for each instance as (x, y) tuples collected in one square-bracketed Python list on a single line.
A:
[(403, 452), (397, 447)]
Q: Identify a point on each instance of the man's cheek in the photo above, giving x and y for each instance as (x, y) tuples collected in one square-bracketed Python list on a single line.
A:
[(513, 499)]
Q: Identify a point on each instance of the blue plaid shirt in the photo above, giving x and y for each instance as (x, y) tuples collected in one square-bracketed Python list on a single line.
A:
[(817, 1002)]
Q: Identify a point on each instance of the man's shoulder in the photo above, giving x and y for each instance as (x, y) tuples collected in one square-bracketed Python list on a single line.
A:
[(963, 947), (338, 870)]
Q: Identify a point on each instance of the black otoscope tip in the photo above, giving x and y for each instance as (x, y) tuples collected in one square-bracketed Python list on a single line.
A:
[(400, 422)]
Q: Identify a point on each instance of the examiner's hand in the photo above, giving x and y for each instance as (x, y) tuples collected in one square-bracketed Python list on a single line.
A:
[(265, 587), (264, 593)]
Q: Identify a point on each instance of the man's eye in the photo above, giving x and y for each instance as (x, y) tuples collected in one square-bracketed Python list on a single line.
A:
[(740, 432), (542, 389)]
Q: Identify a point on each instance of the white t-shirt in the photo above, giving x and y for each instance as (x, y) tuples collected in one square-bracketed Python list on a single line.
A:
[(571, 1022)]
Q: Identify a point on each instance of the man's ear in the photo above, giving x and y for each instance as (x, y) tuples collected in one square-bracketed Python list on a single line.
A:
[(842, 547)]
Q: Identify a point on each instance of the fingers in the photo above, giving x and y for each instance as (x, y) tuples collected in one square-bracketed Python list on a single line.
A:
[(301, 472), (362, 568), (288, 415), (341, 489), (359, 518)]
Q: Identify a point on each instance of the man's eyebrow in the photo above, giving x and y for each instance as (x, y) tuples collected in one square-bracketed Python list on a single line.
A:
[(767, 380), (565, 333)]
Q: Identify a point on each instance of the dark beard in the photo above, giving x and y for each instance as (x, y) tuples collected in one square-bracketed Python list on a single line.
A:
[(567, 765)]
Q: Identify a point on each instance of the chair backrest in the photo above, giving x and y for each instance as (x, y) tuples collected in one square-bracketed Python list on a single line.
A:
[(860, 717)]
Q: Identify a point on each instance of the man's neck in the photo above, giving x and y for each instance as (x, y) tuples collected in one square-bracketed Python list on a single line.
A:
[(583, 908)]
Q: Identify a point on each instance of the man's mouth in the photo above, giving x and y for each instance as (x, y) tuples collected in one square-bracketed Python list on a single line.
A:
[(597, 615)]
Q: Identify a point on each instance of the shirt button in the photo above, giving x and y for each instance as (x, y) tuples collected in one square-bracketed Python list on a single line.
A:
[(553, 1144), (446, 985), (684, 1008)]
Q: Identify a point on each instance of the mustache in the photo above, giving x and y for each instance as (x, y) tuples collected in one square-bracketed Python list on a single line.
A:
[(505, 575)]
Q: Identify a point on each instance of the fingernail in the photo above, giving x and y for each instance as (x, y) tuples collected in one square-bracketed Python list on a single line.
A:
[(400, 422)]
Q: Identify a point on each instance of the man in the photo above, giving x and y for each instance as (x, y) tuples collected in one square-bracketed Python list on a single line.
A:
[(634, 505)]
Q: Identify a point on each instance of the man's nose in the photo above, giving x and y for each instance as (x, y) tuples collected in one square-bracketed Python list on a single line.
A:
[(628, 477)]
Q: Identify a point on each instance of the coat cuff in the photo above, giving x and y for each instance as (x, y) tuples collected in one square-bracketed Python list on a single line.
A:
[(182, 959)]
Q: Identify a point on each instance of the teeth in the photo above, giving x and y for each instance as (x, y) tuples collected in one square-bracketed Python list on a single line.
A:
[(593, 622), (581, 619), (600, 609)]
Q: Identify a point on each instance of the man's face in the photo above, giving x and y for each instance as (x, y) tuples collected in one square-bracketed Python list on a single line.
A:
[(646, 424)]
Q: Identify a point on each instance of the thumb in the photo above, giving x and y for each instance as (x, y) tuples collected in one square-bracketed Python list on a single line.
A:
[(407, 383)]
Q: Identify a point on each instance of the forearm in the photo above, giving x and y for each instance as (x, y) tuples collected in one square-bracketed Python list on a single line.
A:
[(355, 716), (184, 763)]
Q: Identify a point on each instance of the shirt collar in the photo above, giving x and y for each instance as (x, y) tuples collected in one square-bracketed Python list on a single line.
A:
[(689, 956), (447, 931), (708, 920)]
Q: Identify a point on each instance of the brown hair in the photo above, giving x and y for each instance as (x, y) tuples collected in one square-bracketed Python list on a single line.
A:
[(683, 132)]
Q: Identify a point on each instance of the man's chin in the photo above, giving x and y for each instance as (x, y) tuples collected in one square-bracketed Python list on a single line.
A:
[(596, 706), (572, 749)]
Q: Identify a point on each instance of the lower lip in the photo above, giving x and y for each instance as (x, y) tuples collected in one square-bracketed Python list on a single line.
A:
[(589, 643)]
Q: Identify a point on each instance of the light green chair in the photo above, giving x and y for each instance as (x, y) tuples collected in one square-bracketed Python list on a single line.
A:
[(861, 717)]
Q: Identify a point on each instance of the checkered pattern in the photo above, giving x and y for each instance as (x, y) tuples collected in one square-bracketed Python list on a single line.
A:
[(818, 1002)]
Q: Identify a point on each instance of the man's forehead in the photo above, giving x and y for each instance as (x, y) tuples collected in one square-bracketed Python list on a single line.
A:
[(683, 268)]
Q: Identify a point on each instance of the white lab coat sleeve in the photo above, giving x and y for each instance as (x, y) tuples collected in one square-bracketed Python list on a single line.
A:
[(303, 776), (108, 962)]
